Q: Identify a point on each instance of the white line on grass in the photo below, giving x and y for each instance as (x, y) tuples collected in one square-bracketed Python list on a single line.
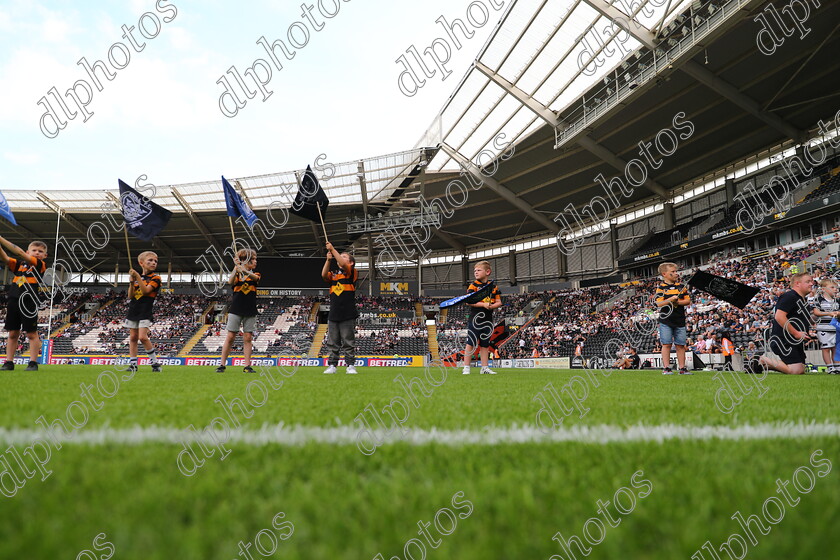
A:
[(346, 435)]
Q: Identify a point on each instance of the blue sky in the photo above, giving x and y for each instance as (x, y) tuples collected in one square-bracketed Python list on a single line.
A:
[(160, 115)]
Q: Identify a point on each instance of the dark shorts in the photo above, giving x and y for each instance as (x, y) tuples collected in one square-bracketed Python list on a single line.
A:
[(15, 318), (479, 333), (789, 353)]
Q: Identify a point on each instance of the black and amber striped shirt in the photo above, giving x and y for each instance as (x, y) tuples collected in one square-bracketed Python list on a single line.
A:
[(26, 275), (244, 302), (672, 315), (481, 314), (343, 294), (140, 306)]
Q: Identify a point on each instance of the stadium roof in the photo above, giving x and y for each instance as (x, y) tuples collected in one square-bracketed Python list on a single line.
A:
[(700, 58), (550, 75)]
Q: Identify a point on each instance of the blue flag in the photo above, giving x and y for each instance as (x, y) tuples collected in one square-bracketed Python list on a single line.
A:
[(236, 206), (143, 218), (469, 297), (5, 211)]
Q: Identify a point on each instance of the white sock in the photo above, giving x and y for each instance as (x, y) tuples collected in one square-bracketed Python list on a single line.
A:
[(152, 355)]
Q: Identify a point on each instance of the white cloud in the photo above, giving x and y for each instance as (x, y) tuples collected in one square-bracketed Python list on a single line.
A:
[(55, 30), (180, 38), (30, 74), (22, 158)]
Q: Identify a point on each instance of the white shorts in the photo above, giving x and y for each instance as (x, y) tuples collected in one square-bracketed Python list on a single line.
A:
[(142, 324), (826, 338), (235, 321)]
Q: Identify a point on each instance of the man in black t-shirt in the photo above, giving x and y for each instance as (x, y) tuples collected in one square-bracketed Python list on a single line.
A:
[(341, 322), (791, 323)]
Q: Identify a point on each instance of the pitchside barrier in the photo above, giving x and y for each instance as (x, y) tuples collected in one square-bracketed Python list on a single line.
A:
[(554, 363), (104, 359)]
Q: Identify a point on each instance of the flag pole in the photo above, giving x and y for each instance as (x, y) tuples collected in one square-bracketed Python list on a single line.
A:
[(232, 234), (322, 222), (127, 246), (55, 271)]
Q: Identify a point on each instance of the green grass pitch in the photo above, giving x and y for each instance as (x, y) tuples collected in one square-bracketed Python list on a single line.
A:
[(338, 503)]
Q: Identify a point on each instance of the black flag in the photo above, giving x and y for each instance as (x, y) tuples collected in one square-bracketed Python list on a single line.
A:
[(143, 218), (500, 334), (728, 290), (309, 195)]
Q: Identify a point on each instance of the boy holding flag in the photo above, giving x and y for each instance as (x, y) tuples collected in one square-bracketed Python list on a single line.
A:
[(142, 291), (144, 220), (243, 306), (341, 333), (480, 321), (22, 310)]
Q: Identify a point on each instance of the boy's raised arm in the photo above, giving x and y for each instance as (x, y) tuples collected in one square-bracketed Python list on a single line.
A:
[(13, 249)]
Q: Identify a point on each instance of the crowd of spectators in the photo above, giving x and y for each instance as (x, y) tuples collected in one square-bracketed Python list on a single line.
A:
[(570, 319)]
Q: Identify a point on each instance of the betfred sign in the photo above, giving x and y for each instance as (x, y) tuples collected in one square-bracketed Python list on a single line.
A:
[(236, 361)]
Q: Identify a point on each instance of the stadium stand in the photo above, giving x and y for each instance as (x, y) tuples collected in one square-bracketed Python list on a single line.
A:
[(176, 320), (565, 322), (829, 187)]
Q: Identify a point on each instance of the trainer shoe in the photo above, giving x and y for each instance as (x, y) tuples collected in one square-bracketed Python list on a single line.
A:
[(684, 371), (667, 371), (248, 369), (351, 370), (32, 366), (486, 369), (330, 370), (157, 368), (7, 366), (132, 368), (220, 369), (466, 370)]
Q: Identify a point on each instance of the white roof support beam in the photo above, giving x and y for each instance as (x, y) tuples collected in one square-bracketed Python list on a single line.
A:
[(501, 190), (585, 141), (637, 30), (699, 73), (74, 223), (211, 240), (538, 108)]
